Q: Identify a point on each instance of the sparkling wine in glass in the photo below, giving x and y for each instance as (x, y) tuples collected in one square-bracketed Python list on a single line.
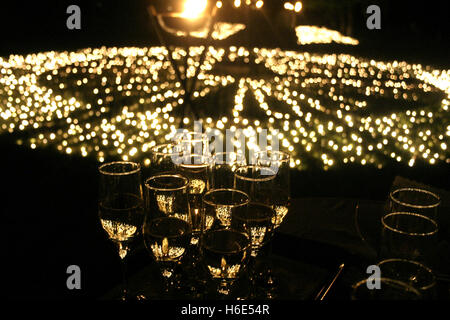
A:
[(167, 239), (278, 161), (225, 254), (197, 168), (219, 205), (120, 206), (257, 221)]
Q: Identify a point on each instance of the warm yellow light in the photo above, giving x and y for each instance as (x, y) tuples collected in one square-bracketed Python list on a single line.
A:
[(237, 3), (219, 4), (259, 4), (298, 6), (194, 8), (288, 6)]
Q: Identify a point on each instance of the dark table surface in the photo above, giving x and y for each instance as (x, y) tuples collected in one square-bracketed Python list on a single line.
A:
[(317, 236)]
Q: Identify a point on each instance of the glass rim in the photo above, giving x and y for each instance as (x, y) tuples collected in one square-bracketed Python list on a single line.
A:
[(266, 177), (415, 234), (416, 263), (391, 281), (285, 156), (208, 202), (197, 136), (160, 153), (166, 175), (204, 164), (102, 170), (416, 206)]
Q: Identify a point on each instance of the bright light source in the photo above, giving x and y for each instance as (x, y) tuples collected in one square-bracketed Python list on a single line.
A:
[(259, 4), (219, 4), (194, 8), (298, 6), (237, 3), (288, 6)]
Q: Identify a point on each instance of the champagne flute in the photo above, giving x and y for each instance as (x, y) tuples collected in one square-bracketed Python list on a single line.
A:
[(167, 239), (121, 207), (197, 168), (259, 183), (167, 227), (257, 221), (278, 161), (225, 254)]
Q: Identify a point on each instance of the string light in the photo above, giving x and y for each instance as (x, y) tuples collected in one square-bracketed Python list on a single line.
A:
[(324, 105)]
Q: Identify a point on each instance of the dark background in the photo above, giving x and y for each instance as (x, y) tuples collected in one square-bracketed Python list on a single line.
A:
[(48, 199), (409, 30)]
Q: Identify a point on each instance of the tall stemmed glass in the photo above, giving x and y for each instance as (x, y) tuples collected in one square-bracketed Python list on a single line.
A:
[(167, 225), (278, 161), (225, 254), (259, 183), (197, 168), (121, 206)]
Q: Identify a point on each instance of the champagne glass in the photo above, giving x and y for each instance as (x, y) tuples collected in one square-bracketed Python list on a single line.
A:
[(257, 221), (278, 161), (414, 200), (167, 227), (225, 254), (167, 239), (224, 164), (408, 235), (220, 204), (259, 183), (121, 206), (197, 168)]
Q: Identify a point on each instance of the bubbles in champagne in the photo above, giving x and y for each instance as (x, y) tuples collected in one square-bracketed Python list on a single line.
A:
[(165, 203), (118, 231), (280, 212), (196, 186), (225, 271), (165, 252), (224, 215)]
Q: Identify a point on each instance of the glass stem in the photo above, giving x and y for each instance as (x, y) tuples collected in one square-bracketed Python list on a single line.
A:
[(123, 252)]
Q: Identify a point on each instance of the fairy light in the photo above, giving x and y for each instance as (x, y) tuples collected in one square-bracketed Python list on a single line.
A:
[(305, 101)]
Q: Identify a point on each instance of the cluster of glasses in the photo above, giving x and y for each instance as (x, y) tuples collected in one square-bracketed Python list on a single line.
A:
[(409, 230), (209, 214)]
